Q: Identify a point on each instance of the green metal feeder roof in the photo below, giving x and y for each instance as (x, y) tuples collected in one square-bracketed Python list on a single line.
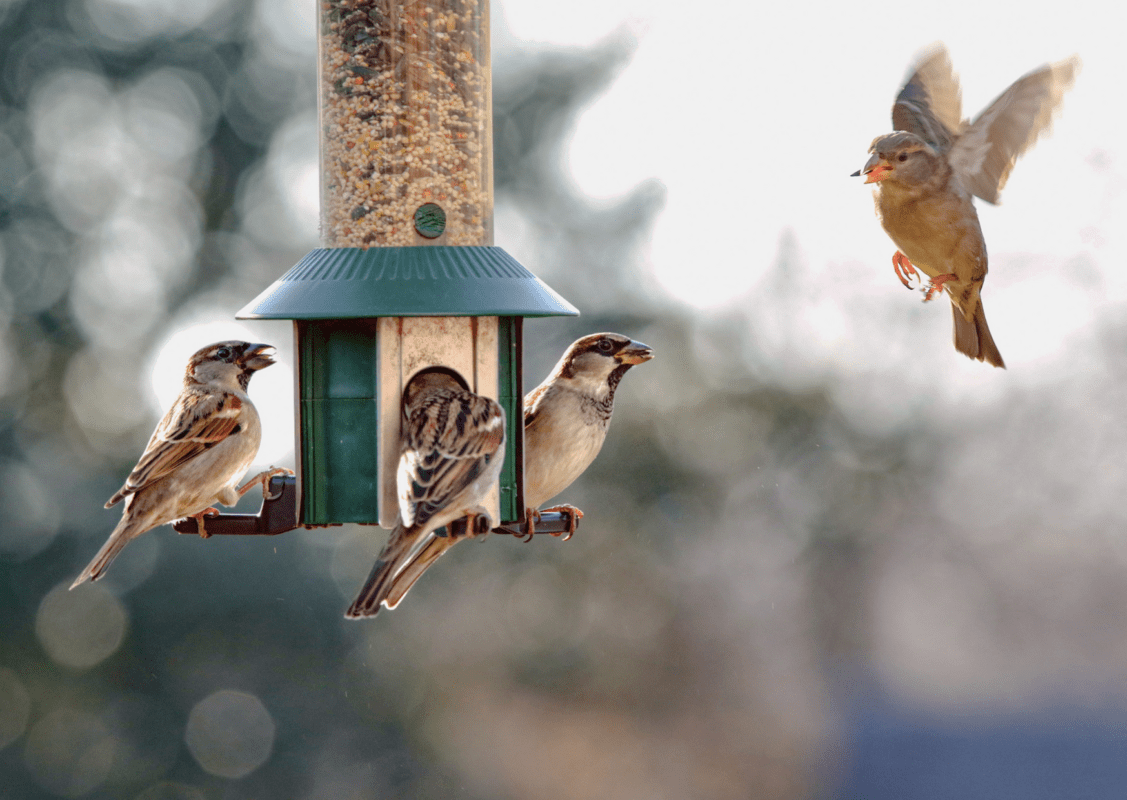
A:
[(442, 281)]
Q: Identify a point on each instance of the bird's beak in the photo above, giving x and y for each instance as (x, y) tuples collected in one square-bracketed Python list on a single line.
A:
[(876, 169), (634, 353), (258, 356)]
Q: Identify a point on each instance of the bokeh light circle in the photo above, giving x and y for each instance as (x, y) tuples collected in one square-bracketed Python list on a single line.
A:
[(80, 628), (230, 733), (69, 752)]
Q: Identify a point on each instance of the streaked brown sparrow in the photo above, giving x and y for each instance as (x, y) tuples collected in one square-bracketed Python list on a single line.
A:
[(453, 445), (567, 416), (565, 423), (197, 454), (928, 169)]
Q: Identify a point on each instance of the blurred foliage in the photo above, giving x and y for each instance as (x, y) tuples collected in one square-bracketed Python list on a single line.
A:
[(755, 529)]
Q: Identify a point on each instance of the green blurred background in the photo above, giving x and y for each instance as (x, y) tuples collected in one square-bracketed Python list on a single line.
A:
[(776, 584)]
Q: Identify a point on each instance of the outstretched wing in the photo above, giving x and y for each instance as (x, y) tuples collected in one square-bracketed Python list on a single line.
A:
[(985, 153), (930, 104)]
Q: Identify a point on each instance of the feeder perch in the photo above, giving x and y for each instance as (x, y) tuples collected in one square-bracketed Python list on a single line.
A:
[(277, 515), (408, 278)]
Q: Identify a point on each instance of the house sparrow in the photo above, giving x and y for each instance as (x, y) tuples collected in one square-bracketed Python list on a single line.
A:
[(566, 417), (928, 169), (198, 452), (453, 445), (565, 422)]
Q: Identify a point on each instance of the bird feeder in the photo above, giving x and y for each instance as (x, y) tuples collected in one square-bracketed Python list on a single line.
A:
[(407, 278)]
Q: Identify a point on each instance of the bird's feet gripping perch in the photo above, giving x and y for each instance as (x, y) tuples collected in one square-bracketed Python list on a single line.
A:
[(573, 514), (531, 517), (199, 518), (264, 479)]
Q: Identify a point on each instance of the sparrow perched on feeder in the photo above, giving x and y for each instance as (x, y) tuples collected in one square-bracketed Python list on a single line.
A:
[(928, 169), (452, 449), (566, 417), (565, 423), (201, 448)]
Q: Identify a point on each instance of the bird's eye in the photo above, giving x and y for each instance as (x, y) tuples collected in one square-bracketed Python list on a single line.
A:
[(223, 353), (903, 157), (605, 346)]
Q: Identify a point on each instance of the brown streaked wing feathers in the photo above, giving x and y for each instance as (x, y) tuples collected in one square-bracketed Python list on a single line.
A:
[(442, 432), (531, 400), (449, 448), (195, 424)]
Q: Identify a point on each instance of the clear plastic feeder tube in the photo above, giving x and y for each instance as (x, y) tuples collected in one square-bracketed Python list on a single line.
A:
[(406, 128)]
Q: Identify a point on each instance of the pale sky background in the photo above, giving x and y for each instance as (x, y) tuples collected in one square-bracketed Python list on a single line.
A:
[(753, 116)]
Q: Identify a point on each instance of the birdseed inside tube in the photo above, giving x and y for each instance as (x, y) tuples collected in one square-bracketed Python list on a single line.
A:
[(406, 123)]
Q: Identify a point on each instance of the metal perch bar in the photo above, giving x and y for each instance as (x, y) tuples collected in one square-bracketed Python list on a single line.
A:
[(553, 522), (277, 515)]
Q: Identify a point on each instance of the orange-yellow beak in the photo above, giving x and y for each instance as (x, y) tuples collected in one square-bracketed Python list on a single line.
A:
[(634, 353), (876, 169), (877, 174)]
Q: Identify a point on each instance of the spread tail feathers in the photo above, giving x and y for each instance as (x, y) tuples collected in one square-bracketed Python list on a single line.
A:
[(973, 339)]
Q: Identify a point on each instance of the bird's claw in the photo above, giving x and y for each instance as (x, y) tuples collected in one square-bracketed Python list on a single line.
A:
[(264, 479), (573, 517), (936, 285), (200, 528), (531, 517), (271, 473), (904, 269)]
